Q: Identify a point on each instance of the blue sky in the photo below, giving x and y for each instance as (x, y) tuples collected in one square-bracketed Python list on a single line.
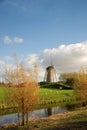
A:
[(32, 26)]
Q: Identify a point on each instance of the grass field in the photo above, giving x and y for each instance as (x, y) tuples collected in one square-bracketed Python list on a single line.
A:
[(56, 93), (49, 96), (54, 96), (2, 93)]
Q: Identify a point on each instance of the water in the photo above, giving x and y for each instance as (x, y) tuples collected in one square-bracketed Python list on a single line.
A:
[(12, 118)]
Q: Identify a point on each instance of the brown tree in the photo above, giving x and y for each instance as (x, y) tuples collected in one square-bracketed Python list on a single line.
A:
[(78, 80), (69, 78), (81, 86), (22, 90)]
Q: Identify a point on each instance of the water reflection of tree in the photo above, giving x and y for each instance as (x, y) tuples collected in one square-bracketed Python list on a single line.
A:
[(50, 111)]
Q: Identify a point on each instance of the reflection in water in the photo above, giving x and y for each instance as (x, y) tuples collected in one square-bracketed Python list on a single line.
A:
[(12, 118), (55, 110), (50, 111)]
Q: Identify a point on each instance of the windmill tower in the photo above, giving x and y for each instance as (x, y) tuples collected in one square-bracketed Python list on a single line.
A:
[(50, 75)]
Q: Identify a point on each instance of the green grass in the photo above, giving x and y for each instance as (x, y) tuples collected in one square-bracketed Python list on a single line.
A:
[(56, 96), (48, 93), (2, 93), (53, 96), (49, 97), (55, 93)]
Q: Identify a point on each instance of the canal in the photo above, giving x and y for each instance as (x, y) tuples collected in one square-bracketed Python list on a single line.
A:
[(13, 118)]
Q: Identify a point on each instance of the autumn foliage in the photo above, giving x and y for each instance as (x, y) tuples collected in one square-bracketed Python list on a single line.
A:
[(81, 86), (78, 81), (22, 90)]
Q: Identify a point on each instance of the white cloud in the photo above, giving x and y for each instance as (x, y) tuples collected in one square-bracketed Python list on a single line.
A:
[(66, 57), (18, 40), (2, 62), (7, 40), (15, 40), (33, 59), (8, 58)]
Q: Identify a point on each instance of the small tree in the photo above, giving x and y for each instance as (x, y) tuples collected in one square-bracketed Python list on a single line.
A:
[(22, 90), (69, 78), (81, 86)]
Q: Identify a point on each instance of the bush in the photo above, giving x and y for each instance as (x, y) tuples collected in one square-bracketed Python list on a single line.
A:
[(54, 85)]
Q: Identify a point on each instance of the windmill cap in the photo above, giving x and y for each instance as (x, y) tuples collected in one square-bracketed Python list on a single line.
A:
[(49, 67)]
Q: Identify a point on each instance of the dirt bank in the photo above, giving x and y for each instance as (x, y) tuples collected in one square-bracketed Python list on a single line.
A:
[(73, 126)]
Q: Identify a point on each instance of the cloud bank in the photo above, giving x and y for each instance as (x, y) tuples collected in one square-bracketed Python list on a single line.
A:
[(66, 57)]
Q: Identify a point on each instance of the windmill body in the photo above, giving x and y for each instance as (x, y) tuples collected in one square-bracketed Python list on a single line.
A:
[(50, 74)]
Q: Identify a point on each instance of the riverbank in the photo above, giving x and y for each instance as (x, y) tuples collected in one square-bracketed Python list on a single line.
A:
[(67, 121)]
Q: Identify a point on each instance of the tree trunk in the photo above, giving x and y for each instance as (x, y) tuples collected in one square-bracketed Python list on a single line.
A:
[(23, 113), (27, 118), (18, 118), (23, 120)]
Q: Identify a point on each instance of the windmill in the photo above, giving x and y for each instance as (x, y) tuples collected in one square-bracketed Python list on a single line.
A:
[(50, 75)]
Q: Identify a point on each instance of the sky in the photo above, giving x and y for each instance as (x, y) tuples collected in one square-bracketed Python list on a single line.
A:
[(44, 32)]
